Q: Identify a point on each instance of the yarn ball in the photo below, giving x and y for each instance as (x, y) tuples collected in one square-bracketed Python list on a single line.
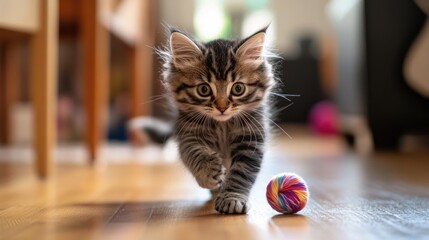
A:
[(287, 193), (324, 118)]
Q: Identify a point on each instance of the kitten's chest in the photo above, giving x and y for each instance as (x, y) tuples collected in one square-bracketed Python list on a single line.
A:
[(222, 134), (218, 135)]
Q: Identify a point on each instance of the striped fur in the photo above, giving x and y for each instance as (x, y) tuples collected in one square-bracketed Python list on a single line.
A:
[(221, 136)]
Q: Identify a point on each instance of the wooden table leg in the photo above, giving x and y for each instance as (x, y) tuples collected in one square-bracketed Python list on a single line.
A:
[(43, 85), (95, 63)]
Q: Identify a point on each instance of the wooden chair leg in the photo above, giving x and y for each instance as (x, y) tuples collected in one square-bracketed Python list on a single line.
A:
[(141, 58), (139, 86), (9, 77), (43, 85), (95, 63), (4, 116)]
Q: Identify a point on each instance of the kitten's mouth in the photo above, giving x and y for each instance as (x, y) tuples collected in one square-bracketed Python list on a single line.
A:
[(222, 117)]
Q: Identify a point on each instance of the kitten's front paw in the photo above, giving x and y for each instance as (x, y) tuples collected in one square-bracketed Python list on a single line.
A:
[(212, 175), (232, 203)]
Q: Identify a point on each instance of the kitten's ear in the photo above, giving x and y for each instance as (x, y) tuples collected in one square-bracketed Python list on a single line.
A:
[(251, 49), (184, 51)]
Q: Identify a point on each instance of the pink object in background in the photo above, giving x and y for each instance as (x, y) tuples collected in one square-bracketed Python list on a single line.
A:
[(324, 118)]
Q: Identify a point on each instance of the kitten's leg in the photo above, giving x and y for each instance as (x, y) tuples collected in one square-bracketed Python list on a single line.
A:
[(204, 164), (240, 178)]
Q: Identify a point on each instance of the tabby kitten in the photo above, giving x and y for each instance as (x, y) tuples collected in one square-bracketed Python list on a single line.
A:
[(220, 89)]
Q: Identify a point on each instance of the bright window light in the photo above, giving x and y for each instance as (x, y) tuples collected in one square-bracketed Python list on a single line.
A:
[(210, 20)]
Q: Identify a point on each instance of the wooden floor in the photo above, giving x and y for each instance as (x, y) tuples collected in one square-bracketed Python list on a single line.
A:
[(383, 196)]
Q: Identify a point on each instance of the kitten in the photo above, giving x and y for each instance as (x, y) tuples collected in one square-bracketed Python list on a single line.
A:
[(220, 89)]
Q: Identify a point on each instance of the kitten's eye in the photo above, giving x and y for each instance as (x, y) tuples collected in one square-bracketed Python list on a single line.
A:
[(238, 89), (204, 90)]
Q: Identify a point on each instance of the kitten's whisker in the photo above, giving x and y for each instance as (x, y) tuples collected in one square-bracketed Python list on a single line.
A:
[(180, 130), (238, 124), (245, 126), (155, 98), (193, 124), (283, 108), (150, 101), (249, 115), (153, 48), (186, 124), (285, 96), (250, 129), (256, 121), (254, 134), (275, 124), (199, 129), (158, 95), (205, 119)]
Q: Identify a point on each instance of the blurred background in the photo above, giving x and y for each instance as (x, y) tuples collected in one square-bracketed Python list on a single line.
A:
[(77, 71)]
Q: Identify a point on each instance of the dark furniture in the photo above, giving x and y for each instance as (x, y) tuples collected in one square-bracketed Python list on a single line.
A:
[(393, 108)]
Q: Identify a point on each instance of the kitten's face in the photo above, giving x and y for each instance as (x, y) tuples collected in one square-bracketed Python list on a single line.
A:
[(219, 79)]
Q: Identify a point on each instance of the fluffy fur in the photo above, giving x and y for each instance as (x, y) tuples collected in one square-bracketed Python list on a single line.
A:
[(220, 89)]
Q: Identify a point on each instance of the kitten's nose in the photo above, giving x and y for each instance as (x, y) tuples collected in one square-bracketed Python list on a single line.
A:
[(222, 109), (222, 104)]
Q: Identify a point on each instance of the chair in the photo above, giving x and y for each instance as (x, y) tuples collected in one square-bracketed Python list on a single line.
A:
[(36, 23)]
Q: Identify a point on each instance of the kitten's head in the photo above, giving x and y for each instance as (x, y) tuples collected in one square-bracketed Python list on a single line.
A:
[(220, 78)]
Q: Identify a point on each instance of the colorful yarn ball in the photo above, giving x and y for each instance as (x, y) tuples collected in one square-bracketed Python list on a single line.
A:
[(287, 193)]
